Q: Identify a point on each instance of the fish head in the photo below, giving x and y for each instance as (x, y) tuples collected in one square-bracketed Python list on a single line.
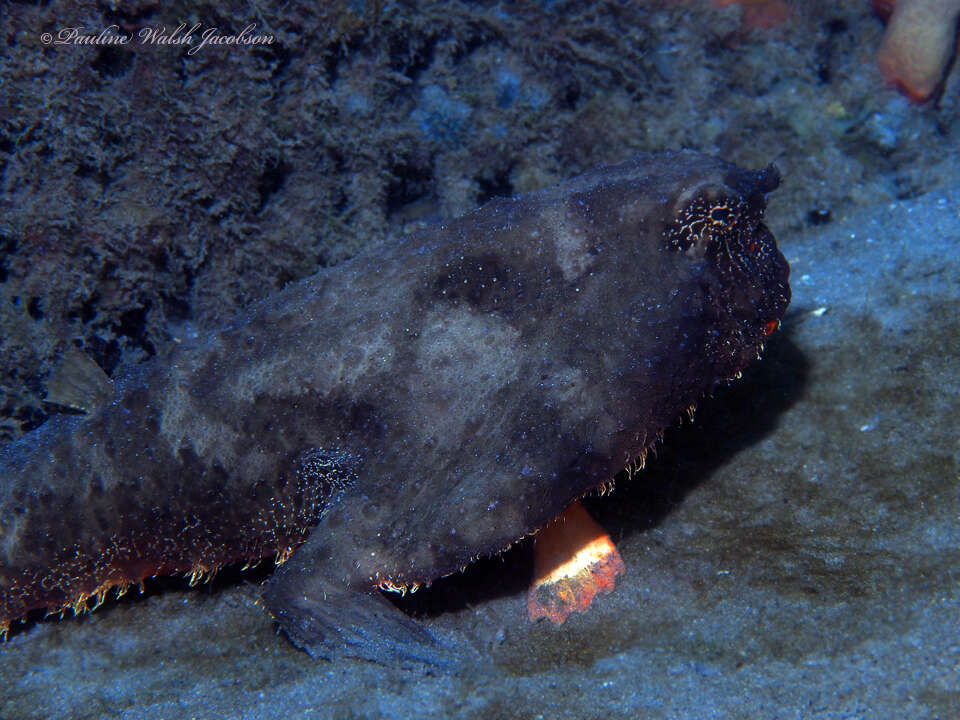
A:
[(743, 277)]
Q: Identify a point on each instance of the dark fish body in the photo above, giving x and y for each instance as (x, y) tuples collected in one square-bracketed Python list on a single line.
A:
[(390, 419)]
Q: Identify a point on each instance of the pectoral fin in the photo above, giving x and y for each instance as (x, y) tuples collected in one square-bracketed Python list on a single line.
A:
[(331, 620)]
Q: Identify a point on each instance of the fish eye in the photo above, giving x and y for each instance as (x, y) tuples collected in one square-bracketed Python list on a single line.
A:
[(721, 215)]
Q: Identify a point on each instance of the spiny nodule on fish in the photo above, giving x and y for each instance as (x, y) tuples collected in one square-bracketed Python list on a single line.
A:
[(389, 419)]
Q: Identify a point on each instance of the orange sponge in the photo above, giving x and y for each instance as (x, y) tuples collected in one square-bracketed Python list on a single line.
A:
[(918, 45), (760, 14), (574, 561)]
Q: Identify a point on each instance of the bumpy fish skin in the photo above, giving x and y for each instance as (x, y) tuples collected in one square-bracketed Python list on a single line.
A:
[(434, 399)]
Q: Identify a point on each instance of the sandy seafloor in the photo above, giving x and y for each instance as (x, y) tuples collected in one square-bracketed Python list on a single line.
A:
[(793, 553)]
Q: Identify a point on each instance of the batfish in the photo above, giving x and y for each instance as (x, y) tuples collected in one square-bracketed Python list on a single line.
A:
[(388, 420)]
